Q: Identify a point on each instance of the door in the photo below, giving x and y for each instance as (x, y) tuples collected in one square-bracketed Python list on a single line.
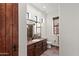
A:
[(8, 29)]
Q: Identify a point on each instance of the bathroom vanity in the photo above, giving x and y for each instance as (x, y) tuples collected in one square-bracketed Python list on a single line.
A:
[(36, 47)]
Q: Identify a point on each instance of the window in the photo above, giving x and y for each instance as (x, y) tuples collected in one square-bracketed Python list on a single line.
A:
[(56, 25)]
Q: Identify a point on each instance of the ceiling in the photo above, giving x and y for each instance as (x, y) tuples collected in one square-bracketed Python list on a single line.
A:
[(46, 7)]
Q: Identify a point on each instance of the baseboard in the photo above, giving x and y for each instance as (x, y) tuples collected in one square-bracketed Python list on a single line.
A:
[(54, 46)]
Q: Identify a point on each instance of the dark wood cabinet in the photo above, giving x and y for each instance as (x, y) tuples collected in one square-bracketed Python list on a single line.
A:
[(37, 48), (31, 50), (44, 45)]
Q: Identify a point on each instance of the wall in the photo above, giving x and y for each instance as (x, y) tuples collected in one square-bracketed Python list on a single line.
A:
[(22, 27), (33, 11), (50, 36), (47, 26), (69, 29), (22, 30)]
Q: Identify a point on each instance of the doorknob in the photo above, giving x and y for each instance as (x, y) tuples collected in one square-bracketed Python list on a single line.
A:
[(14, 48)]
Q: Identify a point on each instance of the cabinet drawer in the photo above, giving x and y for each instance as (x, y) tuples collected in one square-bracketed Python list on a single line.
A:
[(44, 44), (30, 46), (45, 40), (39, 44)]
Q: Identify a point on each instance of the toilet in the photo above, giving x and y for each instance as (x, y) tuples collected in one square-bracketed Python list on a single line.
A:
[(49, 44)]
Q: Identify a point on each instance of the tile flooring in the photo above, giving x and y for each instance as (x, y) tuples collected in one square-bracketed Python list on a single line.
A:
[(54, 51)]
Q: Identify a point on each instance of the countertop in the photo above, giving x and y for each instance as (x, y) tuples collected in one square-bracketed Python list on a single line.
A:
[(34, 41)]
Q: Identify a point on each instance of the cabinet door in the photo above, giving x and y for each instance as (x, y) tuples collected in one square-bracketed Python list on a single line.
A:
[(31, 50), (38, 48), (44, 45)]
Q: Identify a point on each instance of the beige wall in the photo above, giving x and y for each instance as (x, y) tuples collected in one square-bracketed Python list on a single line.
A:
[(22, 30), (69, 29)]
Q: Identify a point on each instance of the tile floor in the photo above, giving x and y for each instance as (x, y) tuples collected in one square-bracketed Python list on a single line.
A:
[(51, 52)]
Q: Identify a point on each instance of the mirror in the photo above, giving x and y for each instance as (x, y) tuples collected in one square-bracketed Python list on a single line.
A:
[(33, 28)]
